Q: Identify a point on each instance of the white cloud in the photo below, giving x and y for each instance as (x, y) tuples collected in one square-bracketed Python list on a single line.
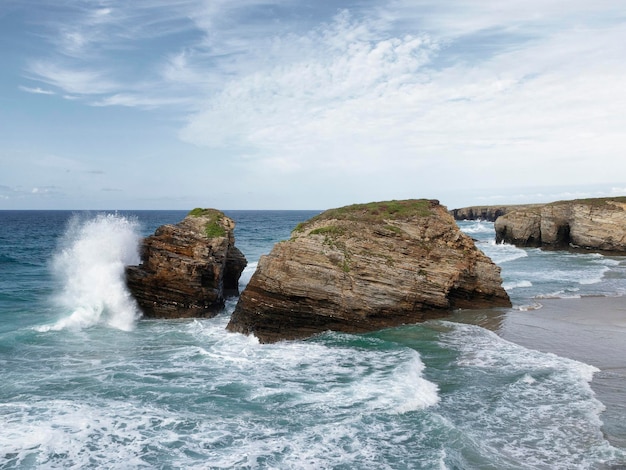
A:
[(352, 97), (401, 94), (139, 100), (315, 91), (71, 80), (36, 90)]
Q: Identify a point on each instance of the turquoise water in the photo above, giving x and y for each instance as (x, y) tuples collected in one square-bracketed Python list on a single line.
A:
[(88, 384)]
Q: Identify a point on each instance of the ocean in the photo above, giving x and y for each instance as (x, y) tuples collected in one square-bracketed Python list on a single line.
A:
[(87, 383)]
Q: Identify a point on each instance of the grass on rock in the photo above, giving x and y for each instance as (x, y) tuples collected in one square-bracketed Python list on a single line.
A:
[(213, 228)]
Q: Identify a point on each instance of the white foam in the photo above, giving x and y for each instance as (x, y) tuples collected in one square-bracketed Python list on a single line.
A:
[(90, 265), (601, 259), (541, 402), (64, 432), (528, 308), (503, 253), (561, 294), (594, 277), (484, 348), (581, 274), (410, 390), (516, 285), (390, 381), (477, 226), (246, 275)]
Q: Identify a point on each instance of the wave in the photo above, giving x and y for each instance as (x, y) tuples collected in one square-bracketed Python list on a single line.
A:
[(516, 285), (526, 395), (90, 267), (596, 277), (478, 226), (528, 308), (503, 253), (576, 275), (246, 275), (561, 294), (389, 382)]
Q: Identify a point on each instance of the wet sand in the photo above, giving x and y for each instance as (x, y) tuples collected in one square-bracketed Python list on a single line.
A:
[(591, 330)]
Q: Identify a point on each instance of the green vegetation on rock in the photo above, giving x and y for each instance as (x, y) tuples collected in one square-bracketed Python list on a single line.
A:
[(380, 211), (213, 228), (383, 213), (595, 202), (373, 212)]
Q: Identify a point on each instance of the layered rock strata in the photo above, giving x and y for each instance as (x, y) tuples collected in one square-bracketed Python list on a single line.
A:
[(189, 268), (592, 224), (366, 267), (488, 213)]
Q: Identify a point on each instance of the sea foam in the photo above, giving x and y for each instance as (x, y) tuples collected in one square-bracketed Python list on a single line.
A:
[(477, 226), (542, 402), (90, 266)]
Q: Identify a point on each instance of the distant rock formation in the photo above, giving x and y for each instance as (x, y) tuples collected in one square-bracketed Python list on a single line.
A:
[(189, 268), (488, 213), (592, 224), (365, 267)]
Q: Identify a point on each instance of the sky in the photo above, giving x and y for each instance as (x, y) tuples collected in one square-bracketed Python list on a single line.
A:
[(309, 104)]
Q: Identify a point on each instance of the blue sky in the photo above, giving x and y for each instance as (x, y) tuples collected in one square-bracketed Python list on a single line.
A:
[(285, 104)]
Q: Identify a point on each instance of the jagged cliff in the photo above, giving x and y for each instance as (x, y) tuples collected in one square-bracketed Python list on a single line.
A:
[(187, 269), (594, 224), (488, 213), (365, 267)]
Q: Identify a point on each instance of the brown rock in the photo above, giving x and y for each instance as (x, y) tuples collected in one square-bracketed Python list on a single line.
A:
[(488, 213), (187, 269), (366, 267), (592, 224)]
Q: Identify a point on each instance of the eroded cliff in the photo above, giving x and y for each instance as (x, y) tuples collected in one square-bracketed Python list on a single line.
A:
[(592, 224), (366, 267), (488, 213)]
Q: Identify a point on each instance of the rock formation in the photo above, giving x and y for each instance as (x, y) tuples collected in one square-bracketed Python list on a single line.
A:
[(488, 213), (366, 267), (187, 269), (593, 224)]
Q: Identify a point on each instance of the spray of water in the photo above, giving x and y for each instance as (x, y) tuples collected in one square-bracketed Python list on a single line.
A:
[(90, 266)]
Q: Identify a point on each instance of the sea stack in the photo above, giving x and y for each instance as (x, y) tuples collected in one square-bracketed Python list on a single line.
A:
[(364, 267), (189, 268)]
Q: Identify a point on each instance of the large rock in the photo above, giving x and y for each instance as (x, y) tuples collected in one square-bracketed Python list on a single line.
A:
[(366, 267), (189, 268), (488, 213), (593, 224)]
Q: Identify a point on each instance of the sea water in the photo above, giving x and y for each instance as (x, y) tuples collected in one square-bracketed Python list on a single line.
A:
[(87, 383)]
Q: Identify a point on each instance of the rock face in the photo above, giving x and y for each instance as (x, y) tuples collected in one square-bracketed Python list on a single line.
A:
[(488, 213), (593, 224), (187, 269), (366, 267)]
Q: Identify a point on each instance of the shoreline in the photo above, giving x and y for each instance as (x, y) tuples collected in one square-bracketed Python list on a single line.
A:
[(587, 329)]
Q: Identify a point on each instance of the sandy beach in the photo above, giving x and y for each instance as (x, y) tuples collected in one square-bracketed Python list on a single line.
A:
[(589, 329)]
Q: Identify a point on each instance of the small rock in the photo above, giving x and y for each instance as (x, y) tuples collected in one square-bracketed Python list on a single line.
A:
[(189, 268)]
